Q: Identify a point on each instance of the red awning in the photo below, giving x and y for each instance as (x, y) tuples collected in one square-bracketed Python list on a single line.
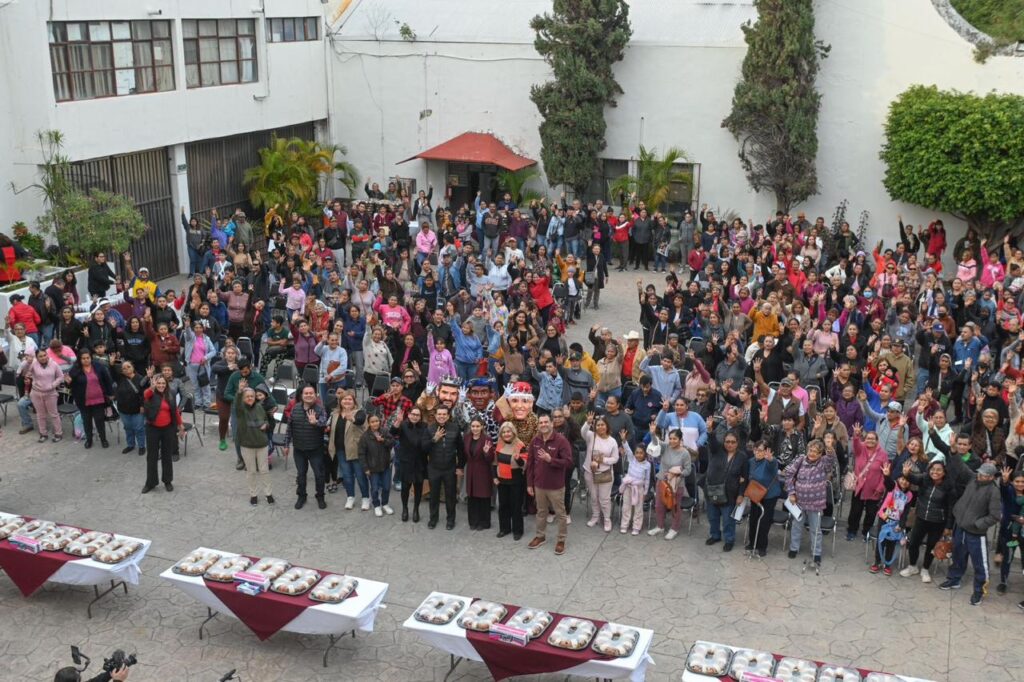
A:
[(475, 148)]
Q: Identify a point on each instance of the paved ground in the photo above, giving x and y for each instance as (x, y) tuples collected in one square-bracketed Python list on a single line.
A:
[(681, 589)]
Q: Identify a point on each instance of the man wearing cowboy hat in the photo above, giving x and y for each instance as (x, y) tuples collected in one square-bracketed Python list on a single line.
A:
[(632, 357)]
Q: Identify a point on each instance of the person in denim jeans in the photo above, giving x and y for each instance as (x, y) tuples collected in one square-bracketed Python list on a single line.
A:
[(726, 474), (128, 397), (375, 457), (807, 481), (346, 427)]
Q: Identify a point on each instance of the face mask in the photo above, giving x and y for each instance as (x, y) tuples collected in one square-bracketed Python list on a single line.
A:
[(869, 294)]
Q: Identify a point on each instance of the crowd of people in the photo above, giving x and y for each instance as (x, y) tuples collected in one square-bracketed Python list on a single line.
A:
[(784, 372)]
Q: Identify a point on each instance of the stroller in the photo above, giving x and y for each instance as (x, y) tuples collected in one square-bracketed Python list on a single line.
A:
[(571, 305)]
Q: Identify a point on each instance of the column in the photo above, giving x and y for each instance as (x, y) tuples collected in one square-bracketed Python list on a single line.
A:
[(179, 195)]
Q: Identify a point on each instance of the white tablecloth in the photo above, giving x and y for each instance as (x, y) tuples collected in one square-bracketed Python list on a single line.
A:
[(452, 639), (355, 613), (89, 572), (694, 677)]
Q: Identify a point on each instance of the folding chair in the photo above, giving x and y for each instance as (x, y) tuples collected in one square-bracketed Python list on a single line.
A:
[(695, 344), (280, 395), (7, 377), (209, 412), (682, 377), (311, 376), (782, 518), (830, 524), (65, 406), (244, 344), (381, 384), (284, 371), (279, 441), (188, 406)]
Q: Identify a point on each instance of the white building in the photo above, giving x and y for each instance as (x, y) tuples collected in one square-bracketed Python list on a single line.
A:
[(168, 102), (170, 99)]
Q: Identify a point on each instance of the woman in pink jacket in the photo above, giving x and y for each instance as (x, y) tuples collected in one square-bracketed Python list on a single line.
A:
[(394, 315), (992, 271), (46, 376), (868, 459)]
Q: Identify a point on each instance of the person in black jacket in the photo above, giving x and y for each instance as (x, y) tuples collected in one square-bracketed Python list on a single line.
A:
[(134, 344), (936, 494), (595, 276), (413, 445), (100, 276), (69, 329), (723, 482), (306, 432), (446, 459), (91, 388), (128, 398)]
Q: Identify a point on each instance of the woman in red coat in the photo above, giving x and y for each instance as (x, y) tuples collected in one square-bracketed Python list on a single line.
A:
[(540, 291), (478, 475)]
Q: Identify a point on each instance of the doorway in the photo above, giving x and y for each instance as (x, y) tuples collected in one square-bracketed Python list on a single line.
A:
[(466, 179)]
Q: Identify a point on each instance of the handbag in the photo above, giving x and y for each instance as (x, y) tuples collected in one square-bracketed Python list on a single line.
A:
[(943, 549), (602, 477), (850, 479), (716, 493), (203, 377), (755, 492), (590, 277), (666, 495)]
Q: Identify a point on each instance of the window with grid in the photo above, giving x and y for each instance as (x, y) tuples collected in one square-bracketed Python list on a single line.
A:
[(110, 58), (219, 51), (293, 30)]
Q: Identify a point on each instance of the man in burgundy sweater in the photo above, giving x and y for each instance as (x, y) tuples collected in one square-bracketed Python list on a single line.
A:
[(550, 456)]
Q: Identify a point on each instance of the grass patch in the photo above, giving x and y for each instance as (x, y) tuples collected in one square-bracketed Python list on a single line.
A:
[(1001, 19)]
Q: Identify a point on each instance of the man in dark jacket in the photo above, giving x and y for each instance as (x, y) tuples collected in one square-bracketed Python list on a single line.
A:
[(100, 276), (306, 433), (445, 461), (978, 509)]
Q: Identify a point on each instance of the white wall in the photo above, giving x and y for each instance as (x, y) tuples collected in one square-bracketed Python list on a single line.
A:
[(116, 125), (678, 76)]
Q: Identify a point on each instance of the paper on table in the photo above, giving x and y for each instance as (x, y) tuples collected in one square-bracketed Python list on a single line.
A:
[(794, 509), (690, 435)]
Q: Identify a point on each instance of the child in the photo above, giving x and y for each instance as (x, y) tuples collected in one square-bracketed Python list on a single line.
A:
[(634, 489), (661, 257), (1010, 529), (441, 362), (892, 519)]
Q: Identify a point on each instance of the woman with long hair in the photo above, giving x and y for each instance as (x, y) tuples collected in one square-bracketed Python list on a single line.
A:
[(413, 445), (601, 455), (91, 388), (510, 456), (478, 475)]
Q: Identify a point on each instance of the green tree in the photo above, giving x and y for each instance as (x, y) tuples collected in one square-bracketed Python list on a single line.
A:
[(288, 176), (514, 182), (82, 223), (775, 105), (958, 153), (656, 176), (580, 40)]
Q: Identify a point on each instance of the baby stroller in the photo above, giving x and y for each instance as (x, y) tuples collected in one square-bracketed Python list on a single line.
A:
[(571, 305)]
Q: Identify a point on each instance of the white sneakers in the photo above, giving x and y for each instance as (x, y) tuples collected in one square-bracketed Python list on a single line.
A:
[(350, 503), (654, 531), (671, 534), (623, 531), (366, 504), (388, 510), (926, 577), (568, 520), (591, 523), (377, 511), (551, 518), (912, 570)]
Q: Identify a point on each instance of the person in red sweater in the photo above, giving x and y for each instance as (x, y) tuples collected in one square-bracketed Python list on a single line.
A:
[(25, 314), (550, 455), (163, 420), (164, 346), (540, 291)]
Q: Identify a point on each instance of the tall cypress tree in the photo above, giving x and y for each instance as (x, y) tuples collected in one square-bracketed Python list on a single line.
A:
[(580, 40), (775, 105)]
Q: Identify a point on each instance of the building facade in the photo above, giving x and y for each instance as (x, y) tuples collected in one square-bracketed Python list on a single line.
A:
[(165, 101)]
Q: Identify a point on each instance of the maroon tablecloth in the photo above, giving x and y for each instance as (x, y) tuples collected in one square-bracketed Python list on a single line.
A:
[(266, 612), (508, 660), (29, 571)]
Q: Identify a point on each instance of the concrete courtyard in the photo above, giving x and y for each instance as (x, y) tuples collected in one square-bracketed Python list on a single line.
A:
[(683, 590)]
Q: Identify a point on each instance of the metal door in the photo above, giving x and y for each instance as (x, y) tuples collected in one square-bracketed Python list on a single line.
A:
[(146, 178)]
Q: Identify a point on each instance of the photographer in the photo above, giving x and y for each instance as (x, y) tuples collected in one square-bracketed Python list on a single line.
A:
[(70, 674)]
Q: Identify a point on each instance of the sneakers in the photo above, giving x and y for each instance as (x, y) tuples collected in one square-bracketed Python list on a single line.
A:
[(909, 571), (607, 526), (223, 445), (43, 437), (976, 598), (366, 505), (671, 534), (850, 537), (654, 531), (591, 523), (623, 530), (568, 520), (377, 511), (636, 532), (926, 577), (792, 554), (887, 570), (350, 503), (1001, 588), (874, 568), (551, 518), (950, 584), (388, 510), (536, 542)]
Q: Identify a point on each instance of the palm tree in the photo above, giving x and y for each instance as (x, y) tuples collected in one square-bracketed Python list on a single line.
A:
[(656, 176), (514, 182), (289, 173)]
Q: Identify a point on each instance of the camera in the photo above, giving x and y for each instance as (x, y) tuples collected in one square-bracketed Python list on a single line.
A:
[(118, 660)]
